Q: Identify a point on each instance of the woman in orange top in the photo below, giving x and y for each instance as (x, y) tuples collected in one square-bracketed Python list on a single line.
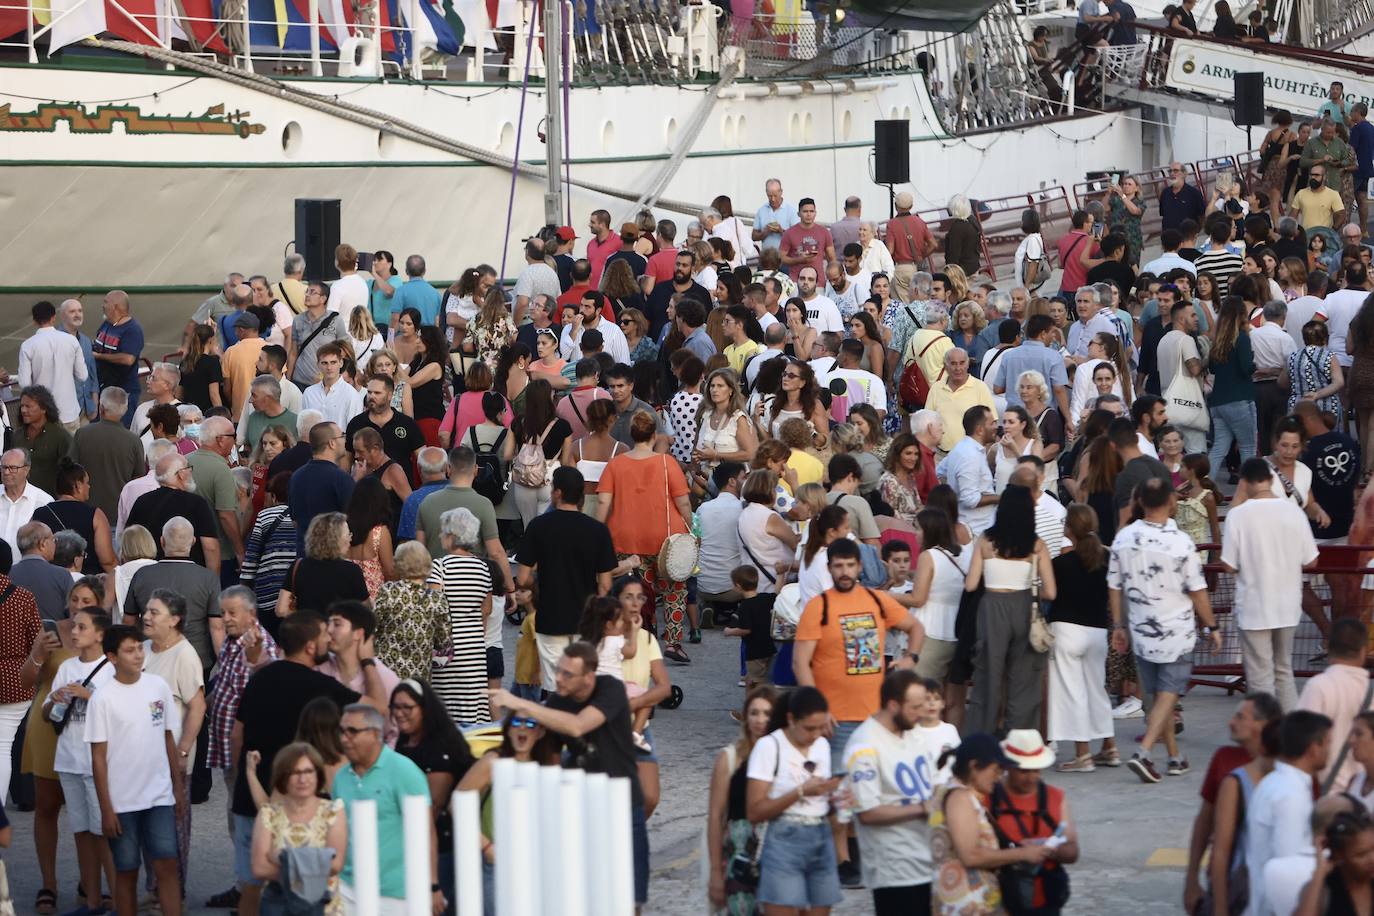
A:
[(631, 491)]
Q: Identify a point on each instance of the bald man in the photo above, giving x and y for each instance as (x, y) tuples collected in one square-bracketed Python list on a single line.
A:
[(176, 495), (72, 316), (116, 349)]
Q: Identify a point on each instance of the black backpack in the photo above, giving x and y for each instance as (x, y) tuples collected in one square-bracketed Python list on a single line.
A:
[(491, 473)]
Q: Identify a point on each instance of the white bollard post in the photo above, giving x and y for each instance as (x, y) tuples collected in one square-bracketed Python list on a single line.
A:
[(595, 807), (620, 850), (527, 778), (415, 812), (503, 783), (522, 898), (466, 808), (367, 889), (570, 845), (550, 839)]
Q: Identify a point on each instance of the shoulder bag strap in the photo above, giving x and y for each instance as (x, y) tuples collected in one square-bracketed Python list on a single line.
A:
[(910, 242), (1340, 758), (545, 434), (9, 590), (572, 399), (772, 579), (325, 322)]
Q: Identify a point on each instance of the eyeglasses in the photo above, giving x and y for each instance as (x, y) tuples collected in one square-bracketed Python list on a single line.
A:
[(304, 771), (792, 375), (523, 723), (346, 731), (16, 468)]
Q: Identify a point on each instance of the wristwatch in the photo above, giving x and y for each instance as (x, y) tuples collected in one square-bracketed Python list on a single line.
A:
[(1206, 632), (367, 662), (435, 888)]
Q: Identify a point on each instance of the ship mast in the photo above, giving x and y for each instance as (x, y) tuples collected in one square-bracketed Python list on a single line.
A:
[(553, 99)]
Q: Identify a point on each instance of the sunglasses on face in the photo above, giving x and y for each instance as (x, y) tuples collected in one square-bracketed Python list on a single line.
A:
[(523, 723)]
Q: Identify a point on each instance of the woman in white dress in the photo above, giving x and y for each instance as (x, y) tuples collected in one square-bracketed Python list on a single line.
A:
[(724, 432), (720, 221), (936, 590), (1019, 437), (877, 259)]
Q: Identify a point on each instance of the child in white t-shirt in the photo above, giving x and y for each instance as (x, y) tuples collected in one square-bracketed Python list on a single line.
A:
[(615, 633), (897, 558), (73, 685), (941, 736)]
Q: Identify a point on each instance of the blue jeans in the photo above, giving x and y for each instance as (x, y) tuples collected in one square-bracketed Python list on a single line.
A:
[(1234, 422), (151, 832), (797, 866)]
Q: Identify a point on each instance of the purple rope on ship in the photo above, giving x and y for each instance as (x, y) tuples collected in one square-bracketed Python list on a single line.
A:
[(519, 131)]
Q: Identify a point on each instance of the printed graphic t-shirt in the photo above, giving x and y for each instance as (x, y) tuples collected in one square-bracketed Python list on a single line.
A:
[(132, 721), (848, 663)]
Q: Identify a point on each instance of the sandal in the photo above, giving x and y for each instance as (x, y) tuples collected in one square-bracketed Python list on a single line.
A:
[(1107, 758), (45, 903), (1083, 764)]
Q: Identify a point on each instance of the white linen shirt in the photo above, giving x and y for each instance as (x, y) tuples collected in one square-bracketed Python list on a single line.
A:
[(16, 513), (1279, 823), (54, 359), (966, 469), (339, 404), (612, 341), (1267, 541)]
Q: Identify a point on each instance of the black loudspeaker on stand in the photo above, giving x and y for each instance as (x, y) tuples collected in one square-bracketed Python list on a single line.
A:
[(317, 235), (891, 153), (1248, 109)]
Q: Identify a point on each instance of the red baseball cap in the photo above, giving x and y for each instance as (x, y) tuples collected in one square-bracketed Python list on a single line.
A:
[(565, 233)]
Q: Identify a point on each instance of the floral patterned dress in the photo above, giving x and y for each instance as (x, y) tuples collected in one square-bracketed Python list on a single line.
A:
[(903, 498), (958, 890), (372, 566), (1122, 220), (488, 341), (313, 833), (412, 627)]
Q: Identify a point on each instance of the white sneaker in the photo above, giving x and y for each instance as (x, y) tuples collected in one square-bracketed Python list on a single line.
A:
[(1129, 708)]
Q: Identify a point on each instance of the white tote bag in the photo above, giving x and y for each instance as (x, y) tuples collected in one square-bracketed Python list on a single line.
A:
[(1184, 401)]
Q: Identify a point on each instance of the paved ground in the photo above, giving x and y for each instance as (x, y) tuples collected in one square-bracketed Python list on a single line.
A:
[(1133, 835)]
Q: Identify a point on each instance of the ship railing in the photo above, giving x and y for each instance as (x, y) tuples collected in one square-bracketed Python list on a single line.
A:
[(999, 222), (1204, 174)]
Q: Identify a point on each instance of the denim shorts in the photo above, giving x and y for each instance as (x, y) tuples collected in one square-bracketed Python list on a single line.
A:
[(243, 850), (797, 867), (652, 756), (1165, 677), (150, 833)]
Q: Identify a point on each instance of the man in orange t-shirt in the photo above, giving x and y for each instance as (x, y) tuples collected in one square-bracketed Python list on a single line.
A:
[(839, 643)]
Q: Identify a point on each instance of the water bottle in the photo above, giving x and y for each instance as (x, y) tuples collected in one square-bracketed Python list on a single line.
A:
[(58, 712)]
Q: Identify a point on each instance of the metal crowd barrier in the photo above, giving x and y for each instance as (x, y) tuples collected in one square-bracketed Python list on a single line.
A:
[(1341, 585)]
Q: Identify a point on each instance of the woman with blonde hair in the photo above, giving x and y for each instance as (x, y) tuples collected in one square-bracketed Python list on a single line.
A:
[(635, 326), (385, 362), (137, 549), (965, 324), (702, 257), (1293, 278), (325, 574), (363, 335), (724, 432), (958, 283)]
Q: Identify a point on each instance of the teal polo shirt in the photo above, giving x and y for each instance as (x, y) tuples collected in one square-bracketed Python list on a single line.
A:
[(416, 293), (390, 779)]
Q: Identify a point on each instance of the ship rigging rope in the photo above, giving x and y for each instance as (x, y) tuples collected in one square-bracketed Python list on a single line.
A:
[(377, 120)]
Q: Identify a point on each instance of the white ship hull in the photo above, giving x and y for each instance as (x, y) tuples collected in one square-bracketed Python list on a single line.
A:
[(110, 205)]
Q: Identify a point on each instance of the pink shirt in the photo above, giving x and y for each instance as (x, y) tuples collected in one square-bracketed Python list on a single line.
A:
[(1337, 694), (466, 410), (598, 252), (661, 265), (389, 680)]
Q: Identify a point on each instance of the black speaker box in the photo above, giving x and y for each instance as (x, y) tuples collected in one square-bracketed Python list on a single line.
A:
[(892, 151), (1249, 107), (317, 235)]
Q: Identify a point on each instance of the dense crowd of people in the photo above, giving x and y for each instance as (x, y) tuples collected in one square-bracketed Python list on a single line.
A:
[(957, 527)]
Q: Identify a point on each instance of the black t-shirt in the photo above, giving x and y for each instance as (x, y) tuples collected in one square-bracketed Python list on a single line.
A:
[(1117, 272), (432, 757), (567, 549), (1290, 248), (1081, 596), (563, 264), (1149, 354), (319, 583), (756, 615), (157, 507), (270, 709), (1138, 470), (658, 303), (1334, 459), (401, 436), (1191, 254), (638, 265), (291, 460), (553, 442), (609, 749), (195, 385)]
